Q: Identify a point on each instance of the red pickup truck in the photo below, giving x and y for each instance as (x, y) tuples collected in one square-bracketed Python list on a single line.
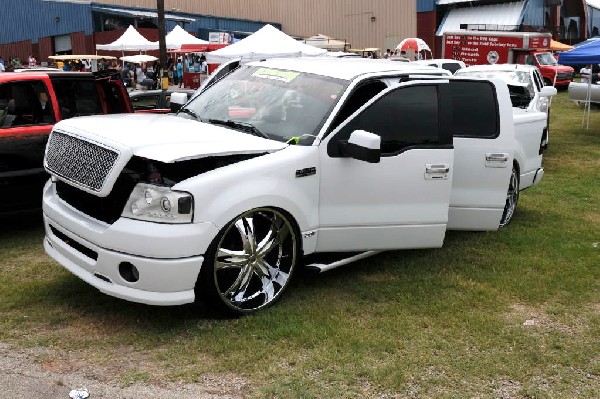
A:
[(30, 104)]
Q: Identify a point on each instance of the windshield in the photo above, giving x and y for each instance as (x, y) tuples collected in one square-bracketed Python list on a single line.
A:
[(546, 59), (277, 104), (515, 78)]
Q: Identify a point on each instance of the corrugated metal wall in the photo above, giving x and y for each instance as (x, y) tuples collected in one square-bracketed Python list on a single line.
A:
[(426, 21), (32, 19), (45, 47), (78, 43), (362, 23), (20, 50)]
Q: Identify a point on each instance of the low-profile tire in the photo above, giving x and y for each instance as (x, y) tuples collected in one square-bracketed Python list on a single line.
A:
[(250, 263), (512, 198)]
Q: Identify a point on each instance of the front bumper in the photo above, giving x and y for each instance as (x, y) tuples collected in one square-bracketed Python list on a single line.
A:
[(167, 257)]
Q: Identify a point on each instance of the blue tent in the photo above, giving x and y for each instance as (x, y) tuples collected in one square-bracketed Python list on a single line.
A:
[(585, 54), (588, 41)]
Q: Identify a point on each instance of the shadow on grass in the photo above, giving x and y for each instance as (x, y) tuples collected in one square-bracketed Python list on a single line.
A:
[(21, 223)]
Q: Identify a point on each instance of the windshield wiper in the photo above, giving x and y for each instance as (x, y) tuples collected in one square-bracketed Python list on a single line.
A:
[(243, 126), (189, 112)]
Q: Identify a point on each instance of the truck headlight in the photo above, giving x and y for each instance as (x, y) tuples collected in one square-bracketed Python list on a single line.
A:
[(159, 204)]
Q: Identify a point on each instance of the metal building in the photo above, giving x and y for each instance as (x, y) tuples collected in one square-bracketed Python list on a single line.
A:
[(375, 23), (48, 27)]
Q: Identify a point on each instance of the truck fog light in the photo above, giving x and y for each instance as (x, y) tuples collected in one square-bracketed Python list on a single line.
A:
[(165, 204), (129, 272)]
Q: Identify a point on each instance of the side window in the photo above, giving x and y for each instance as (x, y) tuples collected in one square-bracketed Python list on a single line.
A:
[(144, 102), (529, 60), (474, 109), (404, 117), (451, 66), (359, 97), (25, 103)]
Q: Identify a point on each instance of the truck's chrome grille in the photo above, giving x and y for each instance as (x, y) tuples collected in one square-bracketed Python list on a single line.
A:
[(80, 161)]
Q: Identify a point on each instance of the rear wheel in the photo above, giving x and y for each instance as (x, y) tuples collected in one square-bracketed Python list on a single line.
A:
[(512, 198), (251, 262)]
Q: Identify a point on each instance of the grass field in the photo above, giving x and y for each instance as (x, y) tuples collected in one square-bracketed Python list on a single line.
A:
[(448, 323)]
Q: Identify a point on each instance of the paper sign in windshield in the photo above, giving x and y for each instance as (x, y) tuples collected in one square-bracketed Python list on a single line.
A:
[(275, 74)]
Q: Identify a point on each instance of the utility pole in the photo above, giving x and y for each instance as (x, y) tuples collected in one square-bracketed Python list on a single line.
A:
[(162, 45)]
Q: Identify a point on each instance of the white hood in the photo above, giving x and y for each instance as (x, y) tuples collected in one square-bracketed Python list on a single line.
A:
[(166, 138)]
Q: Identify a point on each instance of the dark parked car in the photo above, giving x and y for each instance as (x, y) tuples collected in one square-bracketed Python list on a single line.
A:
[(155, 101)]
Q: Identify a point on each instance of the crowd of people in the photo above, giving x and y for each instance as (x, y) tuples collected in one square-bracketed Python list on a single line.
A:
[(188, 63), (144, 75), (16, 63)]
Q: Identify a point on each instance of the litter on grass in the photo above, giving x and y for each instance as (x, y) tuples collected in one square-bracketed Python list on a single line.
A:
[(79, 393)]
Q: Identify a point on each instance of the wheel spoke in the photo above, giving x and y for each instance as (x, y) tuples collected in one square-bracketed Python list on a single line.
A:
[(268, 289), (274, 238), (240, 284), (227, 258), (245, 227)]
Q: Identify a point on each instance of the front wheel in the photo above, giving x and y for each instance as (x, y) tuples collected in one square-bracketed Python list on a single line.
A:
[(251, 262), (512, 198)]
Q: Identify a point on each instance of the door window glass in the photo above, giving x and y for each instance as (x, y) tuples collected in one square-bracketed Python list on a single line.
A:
[(77, 97), (144, 102), (25, 103), (474, 109), (451, 66), (403, 118)]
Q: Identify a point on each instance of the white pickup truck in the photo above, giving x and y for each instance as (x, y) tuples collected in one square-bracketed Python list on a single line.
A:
[(275, 161)]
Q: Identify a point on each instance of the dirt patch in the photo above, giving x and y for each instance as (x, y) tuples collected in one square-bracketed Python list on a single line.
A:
[(46, 373), (530, 316)]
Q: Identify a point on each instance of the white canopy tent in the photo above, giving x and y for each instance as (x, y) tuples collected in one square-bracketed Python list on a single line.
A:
[(138, 58), (267, 42), (178, 37), (131, 40), (326, 42)]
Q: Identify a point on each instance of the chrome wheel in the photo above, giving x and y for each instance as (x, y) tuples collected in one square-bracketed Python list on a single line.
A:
[(254, 259), (512, 198)]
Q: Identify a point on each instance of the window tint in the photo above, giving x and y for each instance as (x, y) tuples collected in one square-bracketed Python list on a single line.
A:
[(451, 66), (404, 117), (77, 97), (144, 102), (529, 60), (474, 109), (361, 95), (25, 103)]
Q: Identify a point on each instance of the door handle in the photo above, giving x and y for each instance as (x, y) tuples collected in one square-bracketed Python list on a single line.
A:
[(437, 168), (496, 160), (496, 157), (437, 171)]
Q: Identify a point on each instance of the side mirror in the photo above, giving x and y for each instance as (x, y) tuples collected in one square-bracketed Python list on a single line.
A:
[(177, 101), (363, 146), (548, 91)]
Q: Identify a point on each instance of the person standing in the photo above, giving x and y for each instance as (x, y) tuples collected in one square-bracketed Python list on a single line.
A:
[(170, 69), (2, 69), (585, 73), (31, 61), (179, 71)]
